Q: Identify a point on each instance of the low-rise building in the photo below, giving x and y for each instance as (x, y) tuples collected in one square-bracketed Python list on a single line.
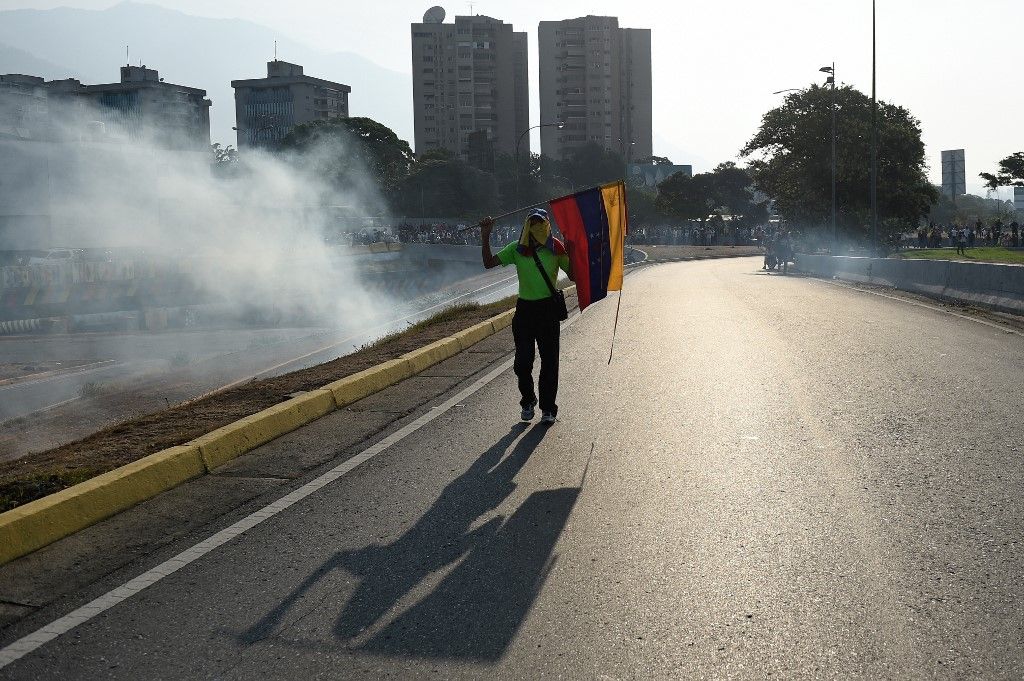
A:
[(266, 109)]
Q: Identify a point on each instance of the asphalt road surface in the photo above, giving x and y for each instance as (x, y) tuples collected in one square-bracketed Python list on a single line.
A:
[(775, 477)]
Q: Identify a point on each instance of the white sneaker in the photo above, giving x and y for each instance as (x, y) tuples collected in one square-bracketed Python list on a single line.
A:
[(548, 417), (528, 412)]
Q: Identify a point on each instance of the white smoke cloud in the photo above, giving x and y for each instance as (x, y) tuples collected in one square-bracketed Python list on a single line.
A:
[(252, 236)]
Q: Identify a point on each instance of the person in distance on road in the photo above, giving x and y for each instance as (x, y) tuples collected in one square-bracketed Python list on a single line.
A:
[(535, 325)]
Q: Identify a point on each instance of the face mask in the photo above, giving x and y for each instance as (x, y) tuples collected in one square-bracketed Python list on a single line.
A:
[(536, 234)]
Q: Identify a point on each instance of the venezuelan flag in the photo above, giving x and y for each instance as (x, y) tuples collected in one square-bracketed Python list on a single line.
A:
[(593, 223)]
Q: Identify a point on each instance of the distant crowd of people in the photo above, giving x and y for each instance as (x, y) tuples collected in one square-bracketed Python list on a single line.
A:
[(710, 234), (692, 235), (456, 234), (967, 236)]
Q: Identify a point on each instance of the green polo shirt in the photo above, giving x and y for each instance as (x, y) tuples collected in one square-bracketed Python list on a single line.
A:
[(531, 283)]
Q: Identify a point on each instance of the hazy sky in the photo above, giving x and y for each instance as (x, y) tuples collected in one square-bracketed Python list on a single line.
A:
[(716, 62)]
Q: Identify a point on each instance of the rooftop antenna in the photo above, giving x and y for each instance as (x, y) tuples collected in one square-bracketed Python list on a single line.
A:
[(275, 50), (471, 8), (127, 59)]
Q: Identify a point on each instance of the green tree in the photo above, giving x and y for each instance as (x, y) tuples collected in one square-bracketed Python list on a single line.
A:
[(726, 191), (1011, 172), (441, 185), (590, 165), (350, 151), (685, 197), (222, 154), (732, 193), (792, 153), (224, 160), (968, 209)]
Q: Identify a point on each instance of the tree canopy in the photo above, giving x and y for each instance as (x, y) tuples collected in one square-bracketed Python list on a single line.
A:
[(347, 149), (791, 157), (441, 185), (1011, 172), (727, 190), (590, 165)]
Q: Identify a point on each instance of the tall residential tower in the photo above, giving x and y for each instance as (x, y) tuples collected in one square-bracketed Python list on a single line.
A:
[(595, 78), (470, 91)]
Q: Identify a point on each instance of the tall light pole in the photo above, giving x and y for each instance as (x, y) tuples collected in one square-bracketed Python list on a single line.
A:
[(558, 125), (831, 70), (874, 134)]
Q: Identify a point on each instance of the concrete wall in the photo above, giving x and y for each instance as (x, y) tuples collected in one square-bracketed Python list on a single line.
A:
[(1000, 287)]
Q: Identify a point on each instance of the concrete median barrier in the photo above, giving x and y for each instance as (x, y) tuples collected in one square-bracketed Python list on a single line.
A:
[(1000, 287), (233, 440), (429, 355), (41, 522), (474, 334), (364, 383)]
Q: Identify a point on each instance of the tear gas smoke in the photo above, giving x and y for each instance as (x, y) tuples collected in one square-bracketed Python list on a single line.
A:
[(252, 236)]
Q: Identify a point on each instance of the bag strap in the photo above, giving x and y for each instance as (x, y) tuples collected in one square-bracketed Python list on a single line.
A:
[(543, 272)]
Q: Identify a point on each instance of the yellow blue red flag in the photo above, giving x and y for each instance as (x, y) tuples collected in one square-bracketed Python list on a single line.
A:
[(594, 225)]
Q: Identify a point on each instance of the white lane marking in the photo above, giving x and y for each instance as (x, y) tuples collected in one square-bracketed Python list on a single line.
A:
[(935, 308), (40, 637)]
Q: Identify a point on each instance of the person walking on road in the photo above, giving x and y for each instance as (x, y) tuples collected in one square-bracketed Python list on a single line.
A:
[(537, 257)]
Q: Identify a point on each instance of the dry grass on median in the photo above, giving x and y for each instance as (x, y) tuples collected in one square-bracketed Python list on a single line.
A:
[(37, 475)]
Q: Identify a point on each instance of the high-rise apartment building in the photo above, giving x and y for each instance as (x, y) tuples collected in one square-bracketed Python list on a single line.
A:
[(266, 109), (470, 91), (596, 79)]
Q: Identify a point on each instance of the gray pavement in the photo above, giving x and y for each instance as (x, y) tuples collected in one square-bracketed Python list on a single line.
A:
[(775, 477)]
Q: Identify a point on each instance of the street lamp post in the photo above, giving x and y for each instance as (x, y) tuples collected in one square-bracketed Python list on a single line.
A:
[(831, 70), (558, 125), (874, 136)]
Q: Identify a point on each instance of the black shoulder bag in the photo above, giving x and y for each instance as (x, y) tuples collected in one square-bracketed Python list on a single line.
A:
[(558, 307)]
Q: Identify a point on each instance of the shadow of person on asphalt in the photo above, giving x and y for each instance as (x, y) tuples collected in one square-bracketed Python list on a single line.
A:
[(441, 537), (476, 610)]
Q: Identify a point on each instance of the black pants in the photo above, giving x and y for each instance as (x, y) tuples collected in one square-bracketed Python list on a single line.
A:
[(535, 325)]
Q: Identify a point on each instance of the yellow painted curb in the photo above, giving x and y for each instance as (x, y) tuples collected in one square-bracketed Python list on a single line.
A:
[(502, 321), (230, 441), (38, 523), (474, 334), (43, 521), (429, 355), (368, 381)]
